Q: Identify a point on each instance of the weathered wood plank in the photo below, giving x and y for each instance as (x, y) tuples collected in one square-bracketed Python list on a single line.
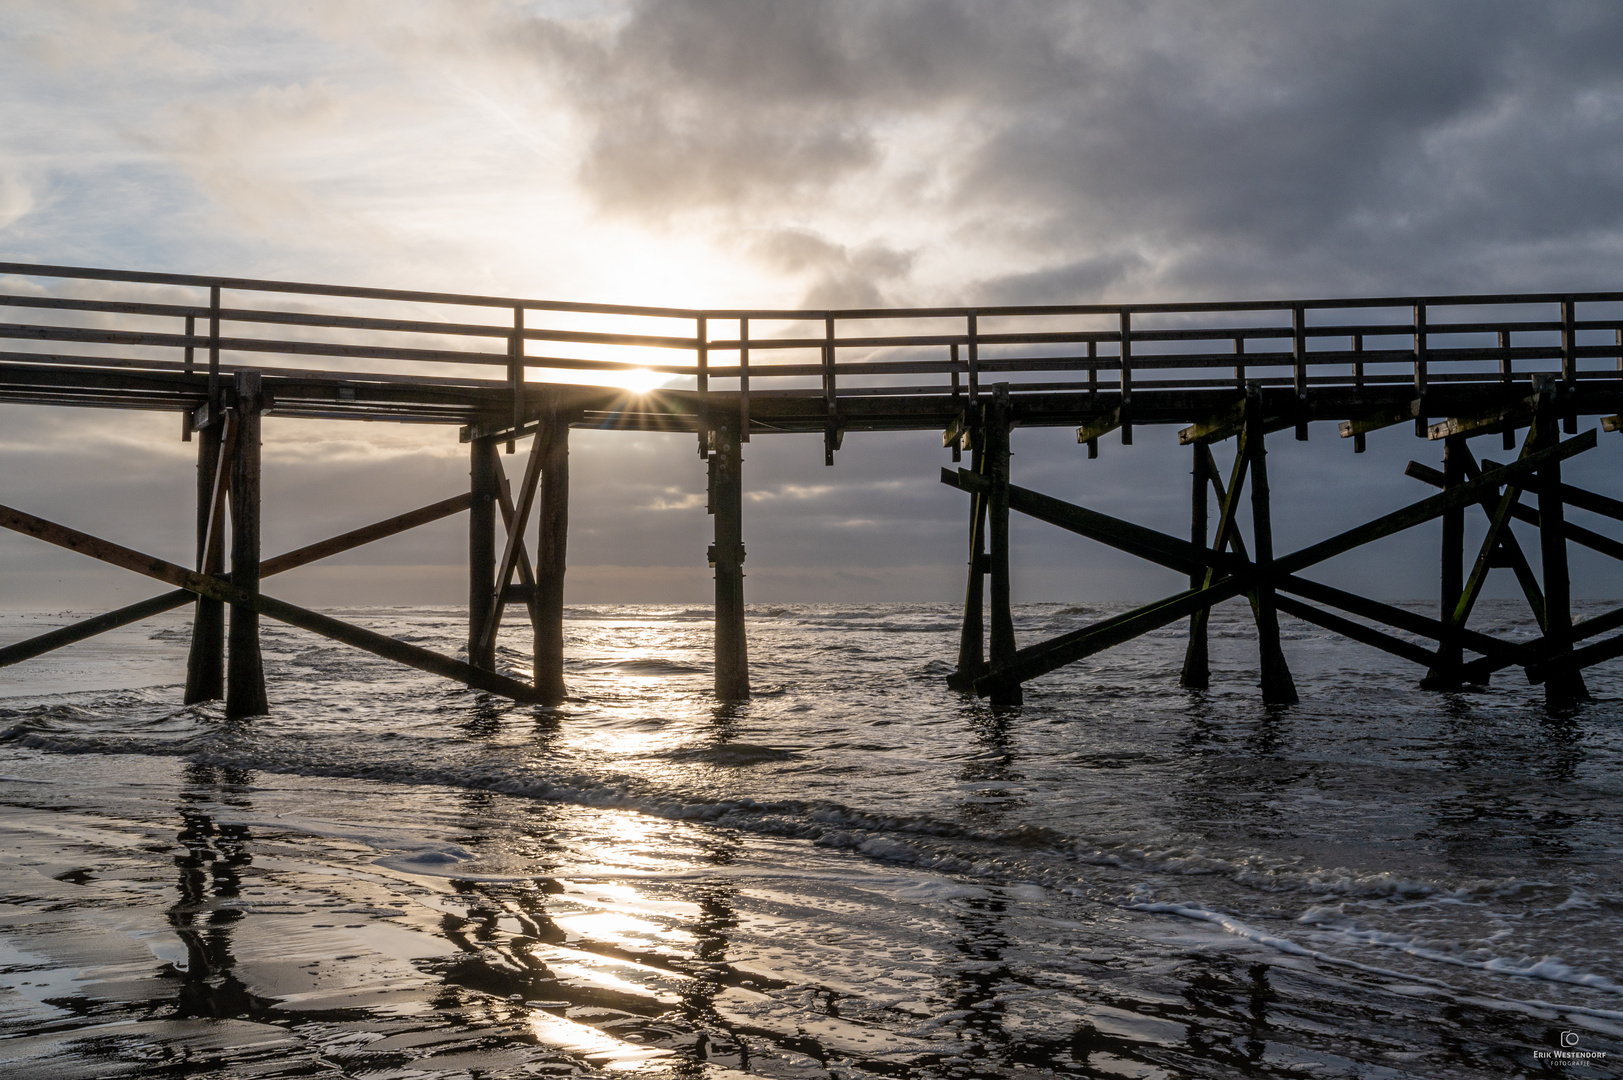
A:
[(157, 605), (1383, 419), (1103, 425), (1357, 631), (1427, 509), (367, 534), (1034, 660), (515, 536), (40, 644), (1216, 428), (1518, 414)]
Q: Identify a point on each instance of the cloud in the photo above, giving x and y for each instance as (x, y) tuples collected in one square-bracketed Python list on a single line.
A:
[(838, 276), (16, 198), (1153, 144), (826, 153)]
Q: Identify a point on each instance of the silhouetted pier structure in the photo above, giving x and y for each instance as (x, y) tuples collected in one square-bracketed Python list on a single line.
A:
[(223, 352)]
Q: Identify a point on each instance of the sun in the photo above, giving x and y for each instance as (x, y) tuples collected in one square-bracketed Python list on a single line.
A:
[(636, 380)]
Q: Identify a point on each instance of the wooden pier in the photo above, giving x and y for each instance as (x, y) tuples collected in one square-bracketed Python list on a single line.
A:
[(1541, 372)]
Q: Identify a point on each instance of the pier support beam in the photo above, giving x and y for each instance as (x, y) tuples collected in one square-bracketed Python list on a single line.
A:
[(205, 665), (1197, 673), (1564, 686), (727, 556), (1278, 688), (483, 480), (972, 639), (548, 611), (245, 675), (995, 433), (1448, 671)]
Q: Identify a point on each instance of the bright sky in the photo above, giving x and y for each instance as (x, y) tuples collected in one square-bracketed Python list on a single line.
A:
[(816, 152)]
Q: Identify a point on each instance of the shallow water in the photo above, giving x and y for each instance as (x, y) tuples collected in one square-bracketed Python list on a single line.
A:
[(857, 873)]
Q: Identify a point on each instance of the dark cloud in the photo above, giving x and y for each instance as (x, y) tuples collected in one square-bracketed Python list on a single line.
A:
[(840, 277), (1269, 144)]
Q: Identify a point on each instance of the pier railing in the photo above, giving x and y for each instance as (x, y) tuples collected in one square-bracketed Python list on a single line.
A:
[(131, 322)]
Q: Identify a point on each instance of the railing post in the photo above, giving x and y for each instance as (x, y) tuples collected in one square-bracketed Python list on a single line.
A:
[(1126, 377), (190, 355), (743, 380), (1358, 382), (1420, 374), (831, 430), (1569, 361), (974, 349), (515, 372), (245, 672), (214, 346), (1506, 377), (1093, 390), (1299, 367), (702, 383), (551, 559), (482, 466)]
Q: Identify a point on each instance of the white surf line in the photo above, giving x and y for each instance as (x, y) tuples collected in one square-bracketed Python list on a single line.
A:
[(1285, 945)]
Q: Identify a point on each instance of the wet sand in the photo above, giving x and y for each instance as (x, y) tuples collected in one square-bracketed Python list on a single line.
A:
[(860, 877), (210, 922)]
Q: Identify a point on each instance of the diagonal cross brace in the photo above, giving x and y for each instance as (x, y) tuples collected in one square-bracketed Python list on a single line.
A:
[(1044, 657), (17, 652), (1179, 554), (220, 589), (516, 524)]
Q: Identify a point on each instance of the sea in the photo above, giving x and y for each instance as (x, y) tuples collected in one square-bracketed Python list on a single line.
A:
[(857, 873)]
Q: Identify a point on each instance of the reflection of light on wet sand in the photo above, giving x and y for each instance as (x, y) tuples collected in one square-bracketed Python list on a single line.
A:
[(626, 840), (614, 928), (597, 1047), (626, 976)]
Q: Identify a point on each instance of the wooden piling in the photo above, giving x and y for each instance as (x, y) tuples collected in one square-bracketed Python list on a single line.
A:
[(1563, 686), (1446, 673), (205, 665), (245, 673), (550, 560), (727, 555), (995, 433), (1278, 688), (972, 638), (482, 479), (1197, 674)]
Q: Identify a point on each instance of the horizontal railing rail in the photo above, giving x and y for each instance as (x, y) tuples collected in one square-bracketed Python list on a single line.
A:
[(62, 317)]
